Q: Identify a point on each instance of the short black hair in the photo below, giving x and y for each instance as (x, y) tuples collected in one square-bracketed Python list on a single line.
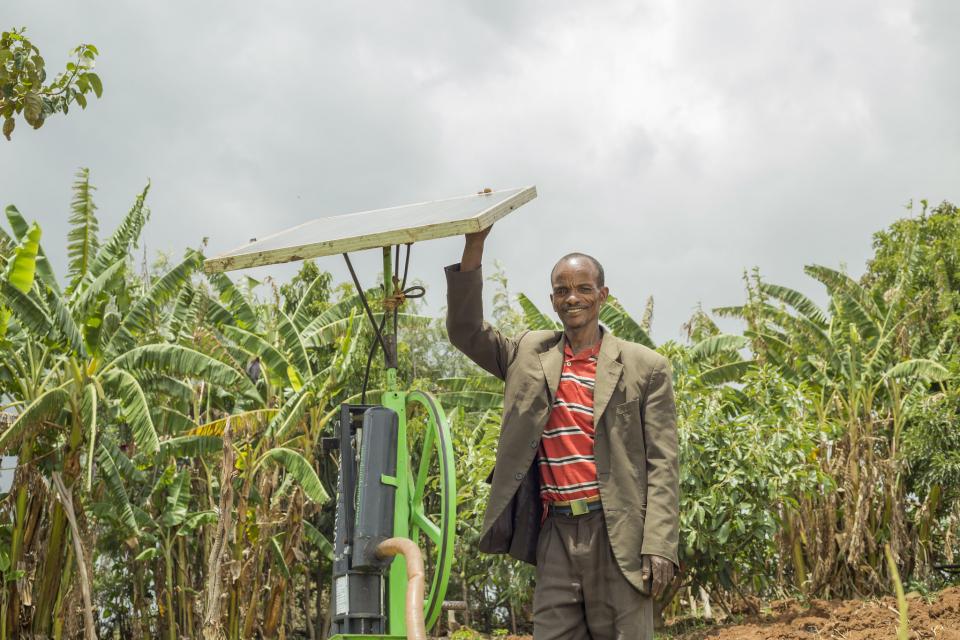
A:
[(576, 254)]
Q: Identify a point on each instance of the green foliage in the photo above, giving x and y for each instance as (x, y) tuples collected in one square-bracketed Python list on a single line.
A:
[(747, 458), (23, 263), (186, 412), (82, 240), (24, 89), (300, 470)]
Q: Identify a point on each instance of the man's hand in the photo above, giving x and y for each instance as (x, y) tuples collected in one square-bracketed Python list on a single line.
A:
[(661, 570), (473, 249)]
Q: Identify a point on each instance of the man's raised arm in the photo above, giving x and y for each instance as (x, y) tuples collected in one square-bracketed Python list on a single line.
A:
[(465, 325)]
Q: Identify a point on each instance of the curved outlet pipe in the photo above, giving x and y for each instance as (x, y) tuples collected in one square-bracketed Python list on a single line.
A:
[(415, 582)]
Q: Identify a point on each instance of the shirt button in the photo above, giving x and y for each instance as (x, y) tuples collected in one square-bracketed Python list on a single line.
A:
[(533, 444), (518, 476), (569, 363)]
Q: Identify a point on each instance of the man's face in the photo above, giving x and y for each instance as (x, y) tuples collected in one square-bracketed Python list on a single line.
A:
[(576, 297)]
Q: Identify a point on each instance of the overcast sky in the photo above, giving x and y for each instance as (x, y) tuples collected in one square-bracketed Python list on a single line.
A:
[(679, 142)]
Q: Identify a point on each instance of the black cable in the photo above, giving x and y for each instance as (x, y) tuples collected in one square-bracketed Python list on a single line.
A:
[(366, 306), (366, 371), (416, 291)]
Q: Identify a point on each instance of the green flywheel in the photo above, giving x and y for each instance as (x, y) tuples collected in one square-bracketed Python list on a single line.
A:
[(427, 501)]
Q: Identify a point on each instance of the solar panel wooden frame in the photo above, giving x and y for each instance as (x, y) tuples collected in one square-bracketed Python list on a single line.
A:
[(400, 225)]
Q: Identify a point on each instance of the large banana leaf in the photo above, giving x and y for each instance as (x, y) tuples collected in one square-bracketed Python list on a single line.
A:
[(212, 311), (141, 317), (295, 464), (233, 300), (28, 311), (135, 408), (316, 538), (65, 324), (290, 413), (46, 407), (82, 241), (177, 390), (177, 503), (245, 423), (735, 311), (731, 372), (21, 228), (83, 297), (797, 300), (22, 265), (919, 368), (184, 313), (110, 472), (301, 314), (333, 322), (276, 364), (168, 420), (621, 324), (278, 555), (849, 296), (180, 361), (533, 317), (721, 344), (293, 345), (124, 236)]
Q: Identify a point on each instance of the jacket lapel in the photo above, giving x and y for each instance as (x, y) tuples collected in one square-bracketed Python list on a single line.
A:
[(609, 369), (551, 361)]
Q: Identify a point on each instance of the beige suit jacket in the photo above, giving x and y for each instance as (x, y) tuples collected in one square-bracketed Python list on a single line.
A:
[(635, 442)]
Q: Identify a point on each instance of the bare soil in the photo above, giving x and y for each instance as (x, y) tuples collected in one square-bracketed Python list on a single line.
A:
[(836, 620), (847, 620)]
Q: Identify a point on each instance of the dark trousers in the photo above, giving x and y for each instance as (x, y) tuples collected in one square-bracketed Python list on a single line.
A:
[(581, 594)]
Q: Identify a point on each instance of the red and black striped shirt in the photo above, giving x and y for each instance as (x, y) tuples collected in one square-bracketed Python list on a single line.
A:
[(568, 470)]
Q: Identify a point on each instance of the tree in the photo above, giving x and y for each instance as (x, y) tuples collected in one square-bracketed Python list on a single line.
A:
[(24, 89)]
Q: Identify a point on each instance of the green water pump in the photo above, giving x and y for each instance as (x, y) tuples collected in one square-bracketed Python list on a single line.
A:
[(396, 480)]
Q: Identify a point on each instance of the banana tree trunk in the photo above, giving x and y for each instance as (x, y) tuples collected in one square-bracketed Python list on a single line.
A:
[(168, 595)]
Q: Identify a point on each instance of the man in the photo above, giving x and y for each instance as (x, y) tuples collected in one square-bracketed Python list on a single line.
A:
[(585, 484)]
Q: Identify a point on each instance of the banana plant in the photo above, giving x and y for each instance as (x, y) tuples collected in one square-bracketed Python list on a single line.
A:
[(865, 377), (79, 362)]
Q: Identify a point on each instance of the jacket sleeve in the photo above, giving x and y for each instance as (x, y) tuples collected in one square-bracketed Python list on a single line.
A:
[(466, 328), (662, 524)]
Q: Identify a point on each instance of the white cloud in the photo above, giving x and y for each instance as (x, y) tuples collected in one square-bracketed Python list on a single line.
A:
[(679, 142)]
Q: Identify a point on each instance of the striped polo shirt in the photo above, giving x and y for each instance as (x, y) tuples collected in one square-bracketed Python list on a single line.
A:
[(567, 467)]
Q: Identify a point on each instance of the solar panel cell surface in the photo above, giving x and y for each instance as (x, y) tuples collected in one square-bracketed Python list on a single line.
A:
[(377, 228)]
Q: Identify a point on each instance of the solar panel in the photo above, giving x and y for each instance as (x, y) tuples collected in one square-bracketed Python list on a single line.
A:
[(377, 228)]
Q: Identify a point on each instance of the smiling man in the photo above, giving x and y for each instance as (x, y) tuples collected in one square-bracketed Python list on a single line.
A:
[(585, 484)]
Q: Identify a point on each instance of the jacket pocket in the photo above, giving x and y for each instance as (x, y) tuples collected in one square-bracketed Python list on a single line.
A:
[(629, 411), (627, 430)]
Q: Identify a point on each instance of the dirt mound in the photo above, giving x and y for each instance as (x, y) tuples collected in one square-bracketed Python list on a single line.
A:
[(849, 620)]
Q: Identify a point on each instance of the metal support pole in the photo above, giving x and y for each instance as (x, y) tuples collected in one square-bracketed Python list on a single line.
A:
[(389, 337)]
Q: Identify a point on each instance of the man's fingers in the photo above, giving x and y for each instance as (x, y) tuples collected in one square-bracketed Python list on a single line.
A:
[(658, 585), (662, 577), (645, 568)]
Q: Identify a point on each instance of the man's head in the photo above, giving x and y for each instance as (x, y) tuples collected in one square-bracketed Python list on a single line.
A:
[(578, 290)]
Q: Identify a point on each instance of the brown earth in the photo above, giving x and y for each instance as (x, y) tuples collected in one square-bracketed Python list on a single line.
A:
[(847, 620), (837, 620)]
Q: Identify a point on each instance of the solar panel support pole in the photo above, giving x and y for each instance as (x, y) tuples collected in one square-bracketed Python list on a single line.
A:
[(389, 337)]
